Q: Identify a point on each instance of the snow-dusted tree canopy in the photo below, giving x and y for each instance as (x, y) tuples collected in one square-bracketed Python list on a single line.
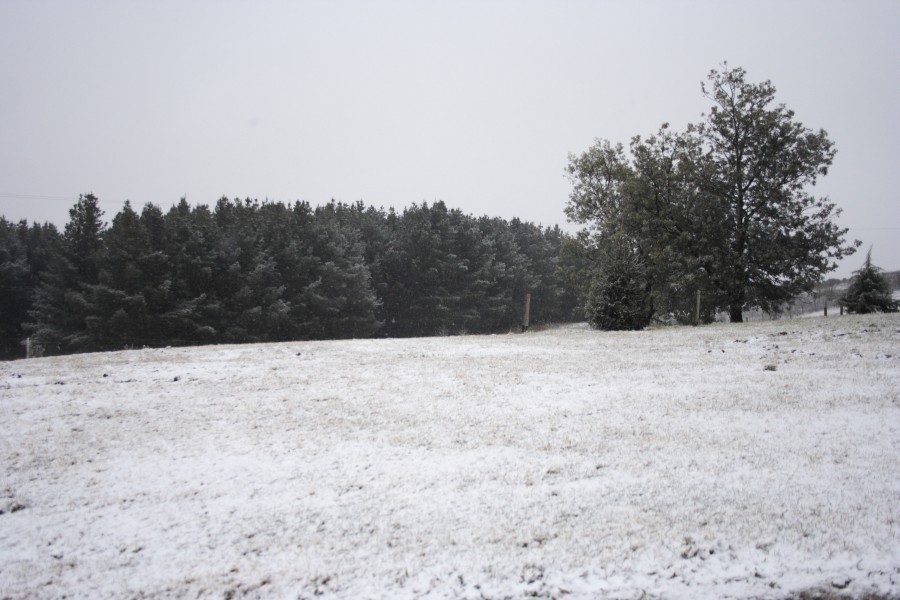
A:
[(249, 271), (723, 208), (869, 290)]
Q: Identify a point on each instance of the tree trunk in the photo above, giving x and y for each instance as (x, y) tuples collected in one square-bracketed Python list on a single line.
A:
[(736, 313)]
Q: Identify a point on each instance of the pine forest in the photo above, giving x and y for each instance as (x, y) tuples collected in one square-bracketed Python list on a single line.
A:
[(249, 271)]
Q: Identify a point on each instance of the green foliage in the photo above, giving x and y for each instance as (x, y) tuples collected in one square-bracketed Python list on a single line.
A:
[(83, 237), (62, 305), (246, 271), (869, 290), (721, 208), (15, 292), (618, 298)]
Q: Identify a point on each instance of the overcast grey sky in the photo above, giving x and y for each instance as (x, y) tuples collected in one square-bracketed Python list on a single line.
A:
[(395, 102)]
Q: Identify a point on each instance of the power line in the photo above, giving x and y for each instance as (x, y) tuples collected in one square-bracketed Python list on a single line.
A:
[(873, 228), (37, 197)]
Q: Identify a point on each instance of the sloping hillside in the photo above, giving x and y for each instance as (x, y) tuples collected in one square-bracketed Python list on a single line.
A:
[(729, 461)]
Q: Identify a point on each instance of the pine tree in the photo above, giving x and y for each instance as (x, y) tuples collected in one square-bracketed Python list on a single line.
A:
[(339, 300), (245, 282), (289, 233), (618, 298), (565, 301), (374, 236), (58, 317), (15, 293), (83, 236), (133, 303), (24, 257), (420, 301), (869, 290), (117, 309), (191, 235), (501, 275), (541, 249)]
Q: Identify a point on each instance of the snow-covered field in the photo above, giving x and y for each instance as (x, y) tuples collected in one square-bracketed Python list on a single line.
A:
[(728, 461)]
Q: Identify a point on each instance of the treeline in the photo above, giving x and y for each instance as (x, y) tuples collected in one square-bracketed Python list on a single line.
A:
[(250, 271)]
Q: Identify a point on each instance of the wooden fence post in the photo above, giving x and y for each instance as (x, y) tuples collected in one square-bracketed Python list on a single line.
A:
[(697, 310), (527, 316)]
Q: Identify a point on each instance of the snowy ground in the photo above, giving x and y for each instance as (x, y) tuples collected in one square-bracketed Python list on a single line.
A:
[(728, 461)]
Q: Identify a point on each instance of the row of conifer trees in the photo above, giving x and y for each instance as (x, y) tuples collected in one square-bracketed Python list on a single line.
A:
[(250, 271)]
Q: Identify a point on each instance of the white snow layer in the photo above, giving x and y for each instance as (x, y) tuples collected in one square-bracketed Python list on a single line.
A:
[(729, 461)]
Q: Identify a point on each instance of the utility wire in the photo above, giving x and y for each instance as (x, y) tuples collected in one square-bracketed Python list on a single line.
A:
[(37, 197), (874, 228)]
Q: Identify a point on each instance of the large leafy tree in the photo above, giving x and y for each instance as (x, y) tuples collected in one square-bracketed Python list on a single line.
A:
[(723, 208), (648, 204), (779, 238)]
